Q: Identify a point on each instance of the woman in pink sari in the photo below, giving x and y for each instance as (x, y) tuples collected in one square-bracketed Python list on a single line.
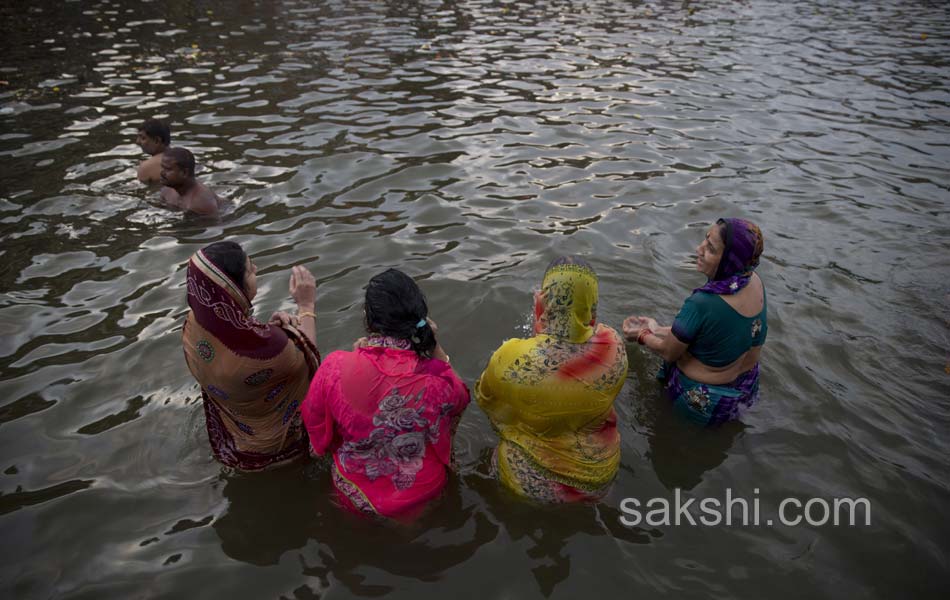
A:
[(387, 411)]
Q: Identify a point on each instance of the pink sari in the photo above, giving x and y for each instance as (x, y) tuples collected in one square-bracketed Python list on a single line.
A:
[(388, 417)]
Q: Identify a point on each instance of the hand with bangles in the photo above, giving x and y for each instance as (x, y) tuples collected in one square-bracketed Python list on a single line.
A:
[(634, 326), (303, 289)]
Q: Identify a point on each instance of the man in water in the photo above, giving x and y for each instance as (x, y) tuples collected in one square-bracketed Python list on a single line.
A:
[(182, 190), (154, 137)]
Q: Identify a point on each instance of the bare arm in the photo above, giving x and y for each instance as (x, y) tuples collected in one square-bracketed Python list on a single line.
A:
[(303, 289), (439, 352)]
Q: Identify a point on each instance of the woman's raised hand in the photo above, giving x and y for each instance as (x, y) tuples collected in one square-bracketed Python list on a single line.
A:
[(303, 287)]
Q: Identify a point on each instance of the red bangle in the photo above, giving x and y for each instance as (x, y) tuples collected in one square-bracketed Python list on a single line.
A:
[(643, 333)]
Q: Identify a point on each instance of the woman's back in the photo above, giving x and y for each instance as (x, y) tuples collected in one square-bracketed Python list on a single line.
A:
[(550, 397), (388, 418)]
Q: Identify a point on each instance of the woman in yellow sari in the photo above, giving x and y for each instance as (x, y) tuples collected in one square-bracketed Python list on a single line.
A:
[(550, 397)]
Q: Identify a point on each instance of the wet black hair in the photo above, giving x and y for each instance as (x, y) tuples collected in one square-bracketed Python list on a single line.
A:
[(183, 158), (230, 258), (157, 129), (395, 306)]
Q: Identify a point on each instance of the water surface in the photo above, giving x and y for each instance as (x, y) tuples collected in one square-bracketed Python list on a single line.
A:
[(468, 143)]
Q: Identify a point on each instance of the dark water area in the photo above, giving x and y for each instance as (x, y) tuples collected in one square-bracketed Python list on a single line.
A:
[(468, 143)]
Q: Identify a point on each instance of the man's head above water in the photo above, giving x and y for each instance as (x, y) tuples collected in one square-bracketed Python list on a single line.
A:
[(178, 166), (153, 136)]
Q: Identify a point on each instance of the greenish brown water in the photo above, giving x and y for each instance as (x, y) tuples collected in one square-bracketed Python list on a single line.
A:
[(468, 143)]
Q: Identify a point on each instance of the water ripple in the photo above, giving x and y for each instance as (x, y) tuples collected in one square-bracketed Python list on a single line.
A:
[(469, 142)]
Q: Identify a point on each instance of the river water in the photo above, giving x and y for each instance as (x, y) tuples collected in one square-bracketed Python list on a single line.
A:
[(468, 143)]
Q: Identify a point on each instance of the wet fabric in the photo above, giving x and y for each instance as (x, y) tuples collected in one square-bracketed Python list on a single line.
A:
[(716, 333), (388, 417), (550, 397), (253, 376), (706, 404)]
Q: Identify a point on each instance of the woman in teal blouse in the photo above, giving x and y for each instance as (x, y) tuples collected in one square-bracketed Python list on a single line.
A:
[(711, 352)]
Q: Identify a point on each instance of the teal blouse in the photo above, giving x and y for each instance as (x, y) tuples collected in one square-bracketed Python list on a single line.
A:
[(716, 334)]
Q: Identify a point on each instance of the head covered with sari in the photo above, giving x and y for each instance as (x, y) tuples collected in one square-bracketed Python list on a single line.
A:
[(550, 397), (253, 376), (742, 246), (566, 306)]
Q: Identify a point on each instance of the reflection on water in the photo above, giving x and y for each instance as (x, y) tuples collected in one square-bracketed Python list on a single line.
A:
[(682, 452), (267, 515), (468, 142)]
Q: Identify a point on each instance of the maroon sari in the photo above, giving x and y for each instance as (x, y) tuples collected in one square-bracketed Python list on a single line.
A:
[(253, 376)]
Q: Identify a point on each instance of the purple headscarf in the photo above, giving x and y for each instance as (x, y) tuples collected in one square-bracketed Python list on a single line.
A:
[(742, 246)]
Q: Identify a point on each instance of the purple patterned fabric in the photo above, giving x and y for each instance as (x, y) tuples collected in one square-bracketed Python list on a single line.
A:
[(740, 256), (710, 405)]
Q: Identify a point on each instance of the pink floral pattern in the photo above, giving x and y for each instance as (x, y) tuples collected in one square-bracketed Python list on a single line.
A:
[(386, 415)]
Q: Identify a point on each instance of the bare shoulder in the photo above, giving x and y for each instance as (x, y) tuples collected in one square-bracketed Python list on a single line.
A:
[(749, 300), (203, 201), (758, 288), (207, 194), (170, 196), (150, 169)]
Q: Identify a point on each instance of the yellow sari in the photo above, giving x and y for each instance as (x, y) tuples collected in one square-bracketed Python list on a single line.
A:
[(550, 397)]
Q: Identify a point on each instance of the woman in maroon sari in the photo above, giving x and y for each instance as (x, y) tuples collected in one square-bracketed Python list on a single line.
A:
[(253, 375)]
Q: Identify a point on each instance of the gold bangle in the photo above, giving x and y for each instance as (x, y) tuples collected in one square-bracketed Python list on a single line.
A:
[(307, 314)]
